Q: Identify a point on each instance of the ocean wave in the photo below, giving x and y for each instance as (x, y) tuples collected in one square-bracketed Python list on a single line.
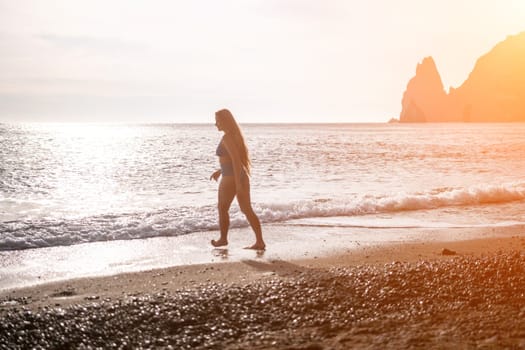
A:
[(17, 235), (436, 198)]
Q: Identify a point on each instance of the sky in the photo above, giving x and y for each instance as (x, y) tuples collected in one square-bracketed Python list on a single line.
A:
[(267, 61)]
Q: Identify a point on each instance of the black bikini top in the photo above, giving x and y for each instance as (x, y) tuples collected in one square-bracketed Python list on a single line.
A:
[(221, 150)]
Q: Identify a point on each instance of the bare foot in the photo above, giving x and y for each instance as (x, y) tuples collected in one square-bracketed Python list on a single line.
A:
[(257, 246), (219, 243)]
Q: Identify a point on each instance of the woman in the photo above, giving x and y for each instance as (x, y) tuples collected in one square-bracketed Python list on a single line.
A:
[(235, 171)]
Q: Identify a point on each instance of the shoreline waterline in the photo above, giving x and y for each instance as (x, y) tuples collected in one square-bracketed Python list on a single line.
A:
[(285, 242)]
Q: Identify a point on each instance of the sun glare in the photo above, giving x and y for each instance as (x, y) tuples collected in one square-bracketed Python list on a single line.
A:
[(87, 159)]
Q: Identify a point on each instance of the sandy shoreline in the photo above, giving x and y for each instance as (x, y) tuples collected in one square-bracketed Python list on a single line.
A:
[(286, 242), (171, 279), (349, 283)]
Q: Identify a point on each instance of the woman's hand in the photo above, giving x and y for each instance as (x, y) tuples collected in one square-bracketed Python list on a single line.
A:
[(215, 175)]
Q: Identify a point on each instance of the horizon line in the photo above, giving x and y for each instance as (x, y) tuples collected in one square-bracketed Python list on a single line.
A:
[(186, 123)]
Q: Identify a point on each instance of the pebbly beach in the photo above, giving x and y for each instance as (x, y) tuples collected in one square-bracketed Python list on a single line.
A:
[(414, 294)]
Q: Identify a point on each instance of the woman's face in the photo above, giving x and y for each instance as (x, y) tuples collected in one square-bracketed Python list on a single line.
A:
[(218, 124)]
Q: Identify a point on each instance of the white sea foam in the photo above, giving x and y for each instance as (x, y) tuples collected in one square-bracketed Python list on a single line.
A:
[(438, 198), (183, 220)]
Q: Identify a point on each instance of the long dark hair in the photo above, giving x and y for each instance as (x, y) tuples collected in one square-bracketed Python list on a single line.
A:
[(231, 127)]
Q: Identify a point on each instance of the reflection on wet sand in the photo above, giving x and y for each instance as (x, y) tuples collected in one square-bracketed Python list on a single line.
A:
[(224, 254), (220, 253)]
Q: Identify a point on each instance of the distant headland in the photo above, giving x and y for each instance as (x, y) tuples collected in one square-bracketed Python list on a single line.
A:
[(493, 92)]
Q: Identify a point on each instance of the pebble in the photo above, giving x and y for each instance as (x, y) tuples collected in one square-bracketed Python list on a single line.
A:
[(446, 251)]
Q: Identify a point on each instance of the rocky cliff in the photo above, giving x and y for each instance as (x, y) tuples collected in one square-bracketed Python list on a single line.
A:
[(493, 92)]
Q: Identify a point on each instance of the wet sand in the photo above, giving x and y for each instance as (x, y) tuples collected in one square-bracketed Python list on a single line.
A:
[(397, 295), (285, 242)]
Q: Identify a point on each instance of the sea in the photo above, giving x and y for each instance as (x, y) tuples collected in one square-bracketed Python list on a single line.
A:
[(67, 184)]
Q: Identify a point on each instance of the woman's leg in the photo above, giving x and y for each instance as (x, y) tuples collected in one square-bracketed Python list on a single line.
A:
[(225, 198), (246, 207)]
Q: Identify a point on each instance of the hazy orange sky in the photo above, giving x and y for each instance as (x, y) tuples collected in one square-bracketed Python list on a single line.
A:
[(268, 61)]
